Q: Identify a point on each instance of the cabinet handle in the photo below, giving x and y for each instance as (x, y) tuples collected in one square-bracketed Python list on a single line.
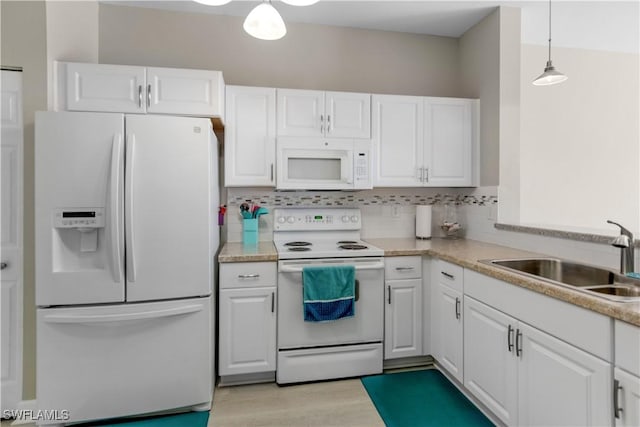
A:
[(329, 124), (271, 172), (3, 265), (450, 276), (148, 96), (273, 301), (510, 339), (419, 174), (321, 123), (404, 268), (457, 308), (248, 276), (616, 399), (389, 294), (139, 96), (518, 343), (426, 174)]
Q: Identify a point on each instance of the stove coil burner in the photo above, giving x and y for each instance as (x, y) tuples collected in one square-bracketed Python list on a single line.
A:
[(347, 242), (299, 249), (352, 247), (296, 244)]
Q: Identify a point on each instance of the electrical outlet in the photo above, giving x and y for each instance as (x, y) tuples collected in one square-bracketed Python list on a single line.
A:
[(493, 212), (395, 211)]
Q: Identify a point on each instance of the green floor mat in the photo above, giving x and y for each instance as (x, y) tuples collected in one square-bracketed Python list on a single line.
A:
[(421, 398), (189, 419)]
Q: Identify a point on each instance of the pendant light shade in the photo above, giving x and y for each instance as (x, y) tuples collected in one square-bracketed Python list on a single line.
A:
[(550, 76), (213, 2), (265, 23), (300, 2)]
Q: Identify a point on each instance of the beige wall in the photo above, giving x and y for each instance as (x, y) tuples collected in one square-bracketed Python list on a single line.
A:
[(580, 140), (309, 56), (24, 45)]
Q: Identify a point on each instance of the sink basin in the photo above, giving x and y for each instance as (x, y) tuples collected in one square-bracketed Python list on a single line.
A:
[(582, 277)]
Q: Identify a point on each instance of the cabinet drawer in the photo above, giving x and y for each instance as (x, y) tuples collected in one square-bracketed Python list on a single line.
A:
[(247, 274), (627, 354), (450, 274), (403, 267)]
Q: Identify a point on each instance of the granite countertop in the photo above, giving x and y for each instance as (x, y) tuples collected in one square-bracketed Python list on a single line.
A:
[(465, 253)]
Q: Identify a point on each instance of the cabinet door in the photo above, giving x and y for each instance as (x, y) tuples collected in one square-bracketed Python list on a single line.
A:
[(247, 337), (447, 332), (250, 136), (627, 399), (99, 87), (559, 384), (398, 140), (301, 113), (448, 141), (490, 365), (403, 319), (348, 115), (185, 92)]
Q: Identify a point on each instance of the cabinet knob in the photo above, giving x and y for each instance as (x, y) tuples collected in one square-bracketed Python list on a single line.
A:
[(3, 265)]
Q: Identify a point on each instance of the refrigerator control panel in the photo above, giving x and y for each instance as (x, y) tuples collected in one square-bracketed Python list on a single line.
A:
[(78, 218)]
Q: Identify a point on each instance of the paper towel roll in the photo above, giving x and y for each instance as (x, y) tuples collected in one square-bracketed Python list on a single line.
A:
[(423, 221)]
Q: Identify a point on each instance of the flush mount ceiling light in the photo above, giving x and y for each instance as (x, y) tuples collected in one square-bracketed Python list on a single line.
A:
[(550, 75), (300, 2), (265, 23), (213, 2)]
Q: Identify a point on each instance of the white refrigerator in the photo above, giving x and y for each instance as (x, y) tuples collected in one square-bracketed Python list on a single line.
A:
[(125, 247)]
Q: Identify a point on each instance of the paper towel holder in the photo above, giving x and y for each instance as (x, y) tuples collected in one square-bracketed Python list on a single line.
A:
[(423, 222)]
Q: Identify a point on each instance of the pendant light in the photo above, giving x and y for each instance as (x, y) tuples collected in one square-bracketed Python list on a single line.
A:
[(265, 23), (550, 75)]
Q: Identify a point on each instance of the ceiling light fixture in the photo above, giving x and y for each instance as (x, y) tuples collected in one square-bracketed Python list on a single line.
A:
[(265, 23), (213, 2), (300, 2), (550, 75)]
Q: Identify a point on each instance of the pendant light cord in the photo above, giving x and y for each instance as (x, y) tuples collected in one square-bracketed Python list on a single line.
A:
[(549, 30)]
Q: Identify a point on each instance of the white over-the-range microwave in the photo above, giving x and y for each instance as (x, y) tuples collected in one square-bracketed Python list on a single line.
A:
[(323, 164)]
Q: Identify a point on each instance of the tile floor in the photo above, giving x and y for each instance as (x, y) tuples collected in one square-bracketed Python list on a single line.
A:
[(343, 403)]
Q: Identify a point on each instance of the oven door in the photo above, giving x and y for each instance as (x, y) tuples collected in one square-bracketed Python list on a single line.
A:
[(314, 164), (367, 325)]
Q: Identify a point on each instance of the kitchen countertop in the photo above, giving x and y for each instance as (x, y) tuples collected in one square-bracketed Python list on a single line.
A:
[(465, 253)]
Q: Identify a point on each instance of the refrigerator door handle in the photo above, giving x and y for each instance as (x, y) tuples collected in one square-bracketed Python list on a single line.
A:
[(122, 317), (114, 193), (128, 194)]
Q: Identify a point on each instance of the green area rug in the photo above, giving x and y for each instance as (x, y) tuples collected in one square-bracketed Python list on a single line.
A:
[(189, 419), (421, 398)]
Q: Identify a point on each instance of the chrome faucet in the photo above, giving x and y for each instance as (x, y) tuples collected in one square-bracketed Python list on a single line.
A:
[(625, 242)]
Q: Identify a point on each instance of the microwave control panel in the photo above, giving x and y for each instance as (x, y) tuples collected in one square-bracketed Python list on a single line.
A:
[(361, 167)]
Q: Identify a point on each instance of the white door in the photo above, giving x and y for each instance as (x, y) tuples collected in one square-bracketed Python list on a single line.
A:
[(168, 212), (348, 115), (448, 129), (490, 365), (448, 328), (301, 113), (560, 384), (250, 136), (184, 92), (11, 212), (109, 88), (627, 399), (247, 331), (117, 360), (403, 319), (397, 133), (78, 166)]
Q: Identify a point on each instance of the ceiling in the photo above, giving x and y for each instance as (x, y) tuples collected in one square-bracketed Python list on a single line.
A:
[(602, 25)]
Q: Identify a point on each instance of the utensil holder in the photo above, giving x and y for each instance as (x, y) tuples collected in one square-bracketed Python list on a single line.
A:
[(250, 231)]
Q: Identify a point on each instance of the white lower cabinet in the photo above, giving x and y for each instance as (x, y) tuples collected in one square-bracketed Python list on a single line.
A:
[(403, 307), (529, 378), (247, 318), (626, 400)]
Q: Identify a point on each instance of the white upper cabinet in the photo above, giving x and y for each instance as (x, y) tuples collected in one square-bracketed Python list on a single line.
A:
[(250, 136), (425, 142), (323, 114), (132, 89)]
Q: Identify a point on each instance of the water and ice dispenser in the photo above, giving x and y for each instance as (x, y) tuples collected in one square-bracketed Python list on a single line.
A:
[(78, 238)]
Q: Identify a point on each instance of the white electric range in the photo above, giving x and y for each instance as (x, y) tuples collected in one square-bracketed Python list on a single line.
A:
[(310, 351)]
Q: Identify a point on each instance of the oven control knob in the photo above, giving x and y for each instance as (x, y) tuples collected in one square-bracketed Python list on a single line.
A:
[(282, 219), (345, 219), (290, 219), (354, 218)]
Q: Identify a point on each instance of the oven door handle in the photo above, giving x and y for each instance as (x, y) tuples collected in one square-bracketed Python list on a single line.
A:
[(298, 268)]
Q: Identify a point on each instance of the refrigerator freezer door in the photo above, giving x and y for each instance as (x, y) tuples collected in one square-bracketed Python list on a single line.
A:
[(79, 164), (168, 207), (118, 360)]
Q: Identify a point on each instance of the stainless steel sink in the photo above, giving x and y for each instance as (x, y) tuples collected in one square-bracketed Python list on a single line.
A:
[(582, 277)]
